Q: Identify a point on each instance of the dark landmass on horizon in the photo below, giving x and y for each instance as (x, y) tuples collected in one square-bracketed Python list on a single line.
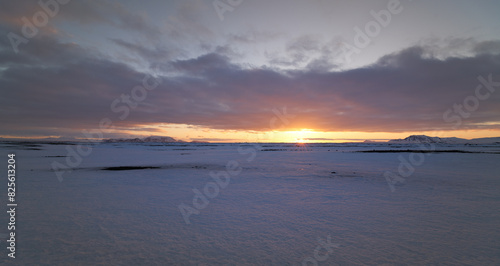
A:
[(413, 139)]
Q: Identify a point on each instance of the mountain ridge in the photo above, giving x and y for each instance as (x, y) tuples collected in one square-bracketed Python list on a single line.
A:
[(450, 140)]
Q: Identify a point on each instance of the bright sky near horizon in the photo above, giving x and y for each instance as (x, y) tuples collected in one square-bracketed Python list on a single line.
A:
[(242, 70)]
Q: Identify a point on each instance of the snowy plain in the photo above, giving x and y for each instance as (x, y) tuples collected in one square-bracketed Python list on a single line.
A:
[(284, 200)]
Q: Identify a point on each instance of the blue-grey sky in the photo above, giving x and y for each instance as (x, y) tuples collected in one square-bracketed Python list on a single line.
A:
[(350, 66), (264, 33)]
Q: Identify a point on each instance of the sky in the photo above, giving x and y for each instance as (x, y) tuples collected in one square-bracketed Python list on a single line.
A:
[(246, 71)]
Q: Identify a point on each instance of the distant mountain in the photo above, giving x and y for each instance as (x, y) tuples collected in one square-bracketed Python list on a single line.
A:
[(427, 139), (199, 141), (453, 140), (485, 141), (145, 140)]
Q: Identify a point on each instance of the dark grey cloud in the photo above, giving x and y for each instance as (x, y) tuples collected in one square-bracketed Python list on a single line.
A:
[(112, 13), (86, 14), (153, 54), (488, 47)]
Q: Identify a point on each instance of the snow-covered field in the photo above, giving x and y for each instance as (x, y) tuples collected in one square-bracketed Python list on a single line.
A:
[(281, 205)]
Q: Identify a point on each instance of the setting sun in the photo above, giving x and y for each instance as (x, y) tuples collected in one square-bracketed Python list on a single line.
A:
[(302, 136)]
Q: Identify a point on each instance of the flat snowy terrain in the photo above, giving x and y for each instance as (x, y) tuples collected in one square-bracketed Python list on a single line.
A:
[(246, 204)]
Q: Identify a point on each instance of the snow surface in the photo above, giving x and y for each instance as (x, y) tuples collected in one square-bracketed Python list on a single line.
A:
[(272, 213)]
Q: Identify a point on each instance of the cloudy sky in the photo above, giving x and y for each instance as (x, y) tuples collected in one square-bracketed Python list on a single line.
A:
[(250, 70)]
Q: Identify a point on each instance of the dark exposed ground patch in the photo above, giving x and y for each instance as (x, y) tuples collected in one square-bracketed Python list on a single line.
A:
[(31, 145), (126, 168), (170, 166), (22, 145), (62, 143), (425, 151)]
